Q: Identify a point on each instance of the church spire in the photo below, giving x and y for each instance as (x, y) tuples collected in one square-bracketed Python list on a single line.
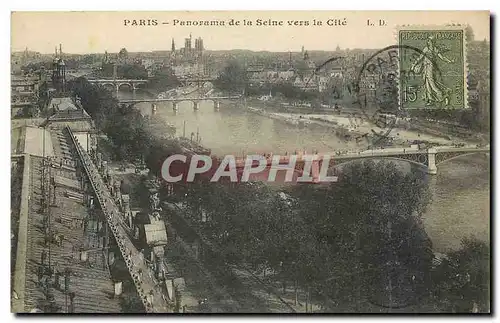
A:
[(173, 45)]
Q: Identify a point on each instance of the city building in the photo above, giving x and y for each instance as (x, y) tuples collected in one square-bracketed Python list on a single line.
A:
[(68, 112), (189, 60), (198, 44), (59, 72), (309, 62), (147, 63), (64, 110), (20, 59), (188, 69), (306, 83), (322, 83), (24, 93), (189, 51), (152, 66), (256, 73), (59, 237)]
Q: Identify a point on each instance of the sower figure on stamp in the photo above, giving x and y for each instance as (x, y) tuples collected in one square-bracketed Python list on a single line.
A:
[(434, 88)]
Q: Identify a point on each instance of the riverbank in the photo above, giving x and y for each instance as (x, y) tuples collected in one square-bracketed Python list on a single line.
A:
[(350, 128), (328, 117), (168, 93)]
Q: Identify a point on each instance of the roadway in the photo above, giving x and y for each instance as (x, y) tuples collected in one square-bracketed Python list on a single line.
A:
[(147, 286), (180, 99), (112, 80), (386, 152)]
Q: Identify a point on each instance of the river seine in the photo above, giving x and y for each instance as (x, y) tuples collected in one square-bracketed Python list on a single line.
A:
[(461, 189)]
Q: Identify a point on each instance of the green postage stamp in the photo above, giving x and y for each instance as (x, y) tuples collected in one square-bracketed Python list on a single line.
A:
[(432, 67)]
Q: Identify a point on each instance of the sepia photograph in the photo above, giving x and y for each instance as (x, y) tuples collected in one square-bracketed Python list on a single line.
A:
[(239, 162)]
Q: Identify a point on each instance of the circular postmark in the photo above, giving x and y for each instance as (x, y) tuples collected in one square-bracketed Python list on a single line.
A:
[(380, 89), (371, 95)]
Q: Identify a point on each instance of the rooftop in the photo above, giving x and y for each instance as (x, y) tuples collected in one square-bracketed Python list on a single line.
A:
[(72, 228), (68, 111), (30, 140), (60, 104), (156, 233)]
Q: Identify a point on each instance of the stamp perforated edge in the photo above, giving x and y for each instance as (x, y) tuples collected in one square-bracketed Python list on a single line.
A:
[(449, 26)]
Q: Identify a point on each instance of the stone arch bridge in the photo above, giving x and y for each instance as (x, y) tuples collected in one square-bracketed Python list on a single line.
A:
[(175, 101), (119, 83)]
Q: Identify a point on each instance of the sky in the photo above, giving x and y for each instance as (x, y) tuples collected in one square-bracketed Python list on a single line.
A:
[(96, 32)]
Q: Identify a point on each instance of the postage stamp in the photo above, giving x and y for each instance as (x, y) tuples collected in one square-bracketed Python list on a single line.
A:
[(435, 78)]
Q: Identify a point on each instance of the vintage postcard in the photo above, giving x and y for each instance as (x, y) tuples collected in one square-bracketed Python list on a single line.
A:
[(250, 162)]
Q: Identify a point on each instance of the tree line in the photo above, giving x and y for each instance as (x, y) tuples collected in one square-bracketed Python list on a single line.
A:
[(346, 241)]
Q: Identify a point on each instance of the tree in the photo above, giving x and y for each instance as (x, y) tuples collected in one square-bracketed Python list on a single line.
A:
[(303, 70), (469, 33), (462, 279), (123, 54), (32, 67), (340, 240), (159, 150), (233, 78), (28, 112), (132, 71), (388, 100), (365, 229), (164, 79)]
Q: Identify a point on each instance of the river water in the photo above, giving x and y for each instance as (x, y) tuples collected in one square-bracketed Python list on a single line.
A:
[(460, 205)]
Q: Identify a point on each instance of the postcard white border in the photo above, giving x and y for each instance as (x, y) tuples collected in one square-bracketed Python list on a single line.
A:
[(200, 5)]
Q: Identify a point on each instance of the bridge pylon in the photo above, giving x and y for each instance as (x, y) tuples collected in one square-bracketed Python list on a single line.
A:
[(431, 161)]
